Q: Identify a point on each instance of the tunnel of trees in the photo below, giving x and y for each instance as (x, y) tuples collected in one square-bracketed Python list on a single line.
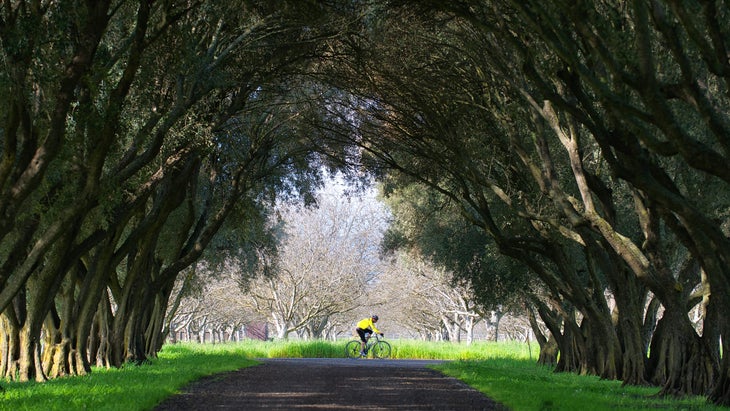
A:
[(586, 143)]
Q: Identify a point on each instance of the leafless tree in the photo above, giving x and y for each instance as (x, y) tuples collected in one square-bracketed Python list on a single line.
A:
[(210, 307), (327, 262), (427, 300)]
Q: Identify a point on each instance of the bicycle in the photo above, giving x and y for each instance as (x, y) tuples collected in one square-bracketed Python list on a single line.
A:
[(377, 346)]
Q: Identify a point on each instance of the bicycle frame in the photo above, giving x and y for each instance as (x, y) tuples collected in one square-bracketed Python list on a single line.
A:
[(372, 342), (379, 347)]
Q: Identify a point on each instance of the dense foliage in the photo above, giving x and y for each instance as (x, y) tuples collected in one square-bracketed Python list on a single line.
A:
[(133, 132), (587, 142)]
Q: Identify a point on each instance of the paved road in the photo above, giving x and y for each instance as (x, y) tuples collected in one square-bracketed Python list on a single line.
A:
[(333, 384)]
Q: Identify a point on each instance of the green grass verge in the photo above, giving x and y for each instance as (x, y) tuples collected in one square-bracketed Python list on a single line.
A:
[(401, 349), (449, 351), (129, 388), (505, 372), (522, 385)]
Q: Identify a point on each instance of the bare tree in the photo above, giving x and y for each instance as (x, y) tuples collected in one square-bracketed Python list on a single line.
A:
[(210, 305), (327, 262), (426, 299)]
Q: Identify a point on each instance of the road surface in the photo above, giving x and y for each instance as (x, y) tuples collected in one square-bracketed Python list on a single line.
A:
[(331, 384)]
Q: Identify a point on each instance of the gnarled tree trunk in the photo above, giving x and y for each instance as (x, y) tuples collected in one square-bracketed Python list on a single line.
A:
[(9, 344), (678, 359), (548, 345)]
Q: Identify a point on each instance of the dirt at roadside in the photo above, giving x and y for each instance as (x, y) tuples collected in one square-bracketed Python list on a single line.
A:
[(330, 384)]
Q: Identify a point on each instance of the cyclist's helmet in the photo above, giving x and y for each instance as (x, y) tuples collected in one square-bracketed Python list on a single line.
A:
[(375, 318)]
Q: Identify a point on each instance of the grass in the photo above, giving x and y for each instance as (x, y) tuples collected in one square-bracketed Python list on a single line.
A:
[(129, 388), (505, 372), (449, 351), (522, 385)]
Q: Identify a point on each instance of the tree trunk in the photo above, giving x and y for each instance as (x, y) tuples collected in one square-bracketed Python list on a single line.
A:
[(720, 393), (678, 359), (59, 335), (103, 320), (628, 319), (548, 345), (155, 329), (602, 349), (90, 295), (54, 354), (567, 336), (496, 318), (469, 329), (27, 345), (572, 350), (9, 344), (650, 322)]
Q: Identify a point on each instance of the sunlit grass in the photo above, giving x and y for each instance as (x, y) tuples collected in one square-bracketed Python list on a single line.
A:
[(302, 349), (129, 388), (449, 351), (522, 385), (401, 349), (505, 372)]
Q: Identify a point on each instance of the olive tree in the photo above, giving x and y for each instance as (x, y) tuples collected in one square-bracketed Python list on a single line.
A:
[(118, 166), (527, 136)]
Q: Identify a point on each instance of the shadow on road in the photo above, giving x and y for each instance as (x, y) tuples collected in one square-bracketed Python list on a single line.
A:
[(335, 384)]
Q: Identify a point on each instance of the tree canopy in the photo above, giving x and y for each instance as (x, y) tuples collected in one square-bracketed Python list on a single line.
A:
[(586, 142)]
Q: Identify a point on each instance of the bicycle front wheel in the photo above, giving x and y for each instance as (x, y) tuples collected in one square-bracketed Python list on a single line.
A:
[(381, 349), (352, 349)]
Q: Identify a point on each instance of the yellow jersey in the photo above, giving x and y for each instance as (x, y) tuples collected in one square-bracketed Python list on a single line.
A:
[(367, 324)]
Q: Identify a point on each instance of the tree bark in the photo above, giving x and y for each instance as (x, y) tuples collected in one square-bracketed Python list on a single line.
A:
[(678, 359), (9, 344), (548, 345)]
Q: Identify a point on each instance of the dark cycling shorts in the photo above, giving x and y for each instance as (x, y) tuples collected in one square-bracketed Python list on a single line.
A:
[(364, 334)]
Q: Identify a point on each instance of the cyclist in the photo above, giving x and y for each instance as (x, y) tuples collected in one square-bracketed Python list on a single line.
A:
[(364, 328)]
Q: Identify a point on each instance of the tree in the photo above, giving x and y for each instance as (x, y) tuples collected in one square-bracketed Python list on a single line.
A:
[(216, 308), (646, 132), (326, 265), (427, 300), (429, 224), (105, 157), (497, 106), (581, 139), (407, 130)]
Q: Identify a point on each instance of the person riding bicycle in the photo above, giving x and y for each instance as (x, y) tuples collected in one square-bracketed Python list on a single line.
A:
[(364, 328)]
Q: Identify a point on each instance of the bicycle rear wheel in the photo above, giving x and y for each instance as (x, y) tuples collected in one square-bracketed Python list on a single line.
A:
[(352, 349), (381, 349)]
